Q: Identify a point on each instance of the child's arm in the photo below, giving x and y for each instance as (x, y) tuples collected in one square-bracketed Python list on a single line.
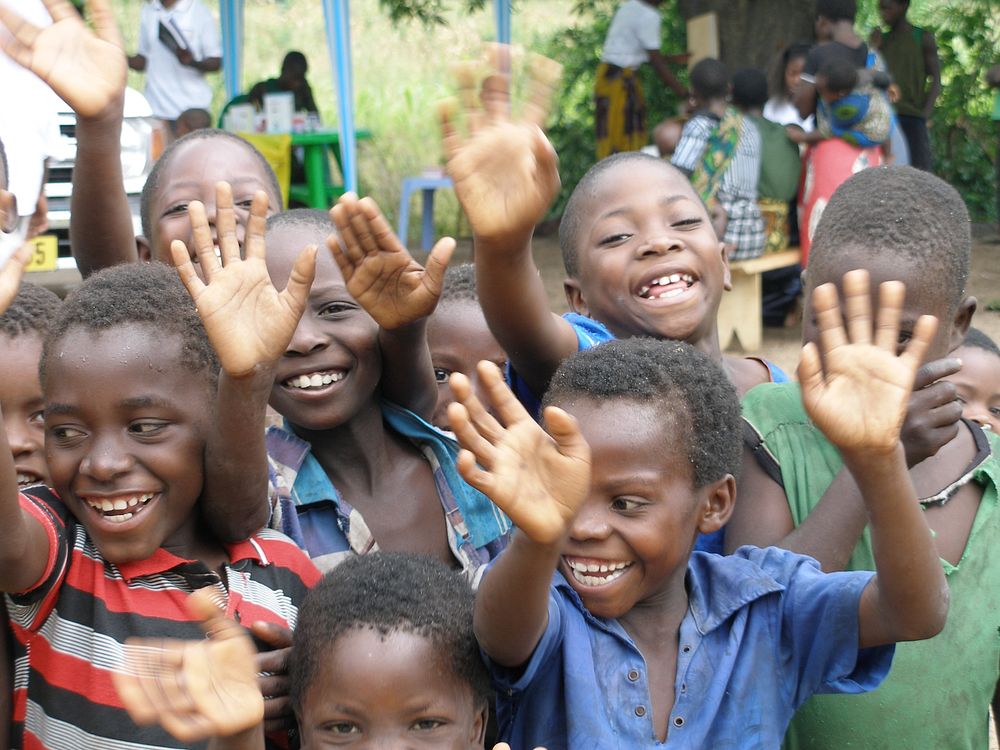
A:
[(249, 324), (24, 544), (196, 689), (88, 71), (397, 292), (798, 135), (857, 395), (932, 66), (540, 481), (506, 175)]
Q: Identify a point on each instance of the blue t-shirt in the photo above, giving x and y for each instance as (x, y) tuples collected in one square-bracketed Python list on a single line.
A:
[(590, 333), (764, 630)]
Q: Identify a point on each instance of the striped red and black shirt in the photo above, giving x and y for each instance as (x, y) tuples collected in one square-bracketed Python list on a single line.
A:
[(70, 628)]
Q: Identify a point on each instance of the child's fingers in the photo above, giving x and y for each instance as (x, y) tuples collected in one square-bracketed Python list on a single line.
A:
[(450, 139), (204, 245), (103, 20), (504, 401), (466, 74), (134, 698), (471, 473), (545, 74), (437, 264), (858, 306), (349, 247), (890, 312), (301, 278), (923, 334), (225, 223), (484, 422), (60, 10), (495, 96), (469, 437), (253, 243), (828, 317), (22, 33), (363, 233), (563, 428), (203, 605), (810, 372), (384, 238), (12, 273), (185, 268)]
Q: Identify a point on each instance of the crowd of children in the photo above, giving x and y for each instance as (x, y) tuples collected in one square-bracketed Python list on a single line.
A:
[(472, 520)]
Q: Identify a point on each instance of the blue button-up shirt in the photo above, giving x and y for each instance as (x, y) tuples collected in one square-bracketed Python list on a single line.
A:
[(764, 630)]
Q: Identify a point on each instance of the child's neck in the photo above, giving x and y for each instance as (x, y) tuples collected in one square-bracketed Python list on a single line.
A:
[(194, 541), (657, 619), (903, 24), (716, 106)]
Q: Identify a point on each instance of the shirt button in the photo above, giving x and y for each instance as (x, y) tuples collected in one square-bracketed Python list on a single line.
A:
[(640, 710), (679, 721), (684, 687), (686, 649), (633, 675)]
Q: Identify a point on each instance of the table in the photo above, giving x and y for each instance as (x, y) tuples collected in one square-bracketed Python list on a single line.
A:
[(318, 192)]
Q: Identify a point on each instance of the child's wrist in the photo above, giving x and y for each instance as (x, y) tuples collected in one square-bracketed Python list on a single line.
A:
[(509, 245)]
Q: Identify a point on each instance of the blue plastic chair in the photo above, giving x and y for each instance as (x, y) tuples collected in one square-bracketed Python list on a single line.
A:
[(426, 184)]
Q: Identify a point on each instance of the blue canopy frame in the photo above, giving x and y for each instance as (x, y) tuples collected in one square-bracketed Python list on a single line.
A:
[(337, 22)]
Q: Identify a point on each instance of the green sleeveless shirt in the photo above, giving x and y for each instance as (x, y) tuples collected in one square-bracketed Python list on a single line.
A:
[(904, 54), (939, 690)]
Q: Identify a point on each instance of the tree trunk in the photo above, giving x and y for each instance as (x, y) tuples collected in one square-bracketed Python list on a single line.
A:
[(754, 32)]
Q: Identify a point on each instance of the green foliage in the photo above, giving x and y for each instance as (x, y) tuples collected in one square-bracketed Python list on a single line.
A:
[(578, 48), (428, 12)]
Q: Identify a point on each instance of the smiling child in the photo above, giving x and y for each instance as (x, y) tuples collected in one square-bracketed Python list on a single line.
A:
[(603, 629), (978, 382)]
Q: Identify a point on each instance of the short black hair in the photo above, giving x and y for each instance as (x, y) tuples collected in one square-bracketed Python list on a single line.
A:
[(903, 213), (675, 379), (750, 88), (791, 52), (576, 207), (152, 186), (389, 592), (710, 79), (147, 294), (837, 10), (979, 340), (311, 218), (195, 118), (840, 74), (31, 312), (295, 58), (460, 284)]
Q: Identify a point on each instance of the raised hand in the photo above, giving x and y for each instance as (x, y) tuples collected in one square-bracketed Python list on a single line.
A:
[(934, 413), (85, 68), (504, 169), (194, 689), (379, 272), (248, 321), (272, 668), (540, 480), (11, 274), (857, 393)]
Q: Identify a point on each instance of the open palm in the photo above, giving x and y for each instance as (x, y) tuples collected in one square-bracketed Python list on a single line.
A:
[(538, 479), (85, 68), (248, 321), (858, 392)]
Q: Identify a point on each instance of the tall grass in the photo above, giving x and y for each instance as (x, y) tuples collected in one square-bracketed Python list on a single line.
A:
[(399, 75)]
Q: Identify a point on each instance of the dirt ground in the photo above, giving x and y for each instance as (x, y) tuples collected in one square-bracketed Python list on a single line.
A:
[(782, 345)]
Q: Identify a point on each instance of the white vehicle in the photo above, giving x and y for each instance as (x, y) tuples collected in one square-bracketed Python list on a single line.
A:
[(140, 142)]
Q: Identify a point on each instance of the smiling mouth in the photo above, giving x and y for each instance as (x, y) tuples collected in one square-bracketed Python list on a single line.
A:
[(119, 509), (314, 380), (27, 479), (596, 573), (666, 287)]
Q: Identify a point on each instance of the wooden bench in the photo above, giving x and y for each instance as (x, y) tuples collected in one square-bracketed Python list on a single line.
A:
[(740, 311)]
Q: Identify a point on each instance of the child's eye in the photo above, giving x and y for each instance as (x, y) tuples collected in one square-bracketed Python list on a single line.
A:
[(685, 223), (147, 427), (66, 434), (441, 374), (343, 727), (37, 418), (625, 504), (995, 411), (427, 724), (614, 239), (245, 203), (177, 208), (335, 308)]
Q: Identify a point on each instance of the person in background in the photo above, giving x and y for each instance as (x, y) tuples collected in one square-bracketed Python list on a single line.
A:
[(978, 382), (292, 79), (633, 39), (911, 55), (191, 120), (784, 78), (178, 44)]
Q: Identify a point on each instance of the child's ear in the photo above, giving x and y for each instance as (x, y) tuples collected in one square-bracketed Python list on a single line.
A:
[(575, 298), (8, 211), (478, 739), (727, 278), (143, 249), (717, 506), (961, 322)]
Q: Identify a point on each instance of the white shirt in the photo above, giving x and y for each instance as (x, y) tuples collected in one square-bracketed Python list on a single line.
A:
[(171, 87), (783, 112), (635, 29), (29, 124)]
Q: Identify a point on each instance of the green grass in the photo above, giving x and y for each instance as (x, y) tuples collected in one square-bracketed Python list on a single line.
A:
[(399, 75)]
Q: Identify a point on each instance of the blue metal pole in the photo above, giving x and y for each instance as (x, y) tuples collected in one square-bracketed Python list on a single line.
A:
[(502, 8), (336, 14), (231, 12)]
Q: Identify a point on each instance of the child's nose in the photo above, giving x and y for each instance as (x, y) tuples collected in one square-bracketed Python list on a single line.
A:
[(105, 460), (23, 439), (307, 337), (591, 523), (659, 244)]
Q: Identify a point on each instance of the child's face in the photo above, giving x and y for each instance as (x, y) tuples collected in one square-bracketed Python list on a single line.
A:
[(125, 430), (459, 338), (643, 513), (392, 691), (649, 261), (333, 365), (21, 401), (923, 297), (793, 70), (978, 384), (192, 175), (826, 93)]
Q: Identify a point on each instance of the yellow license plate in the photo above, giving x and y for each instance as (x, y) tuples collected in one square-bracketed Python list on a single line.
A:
[(46, 253)]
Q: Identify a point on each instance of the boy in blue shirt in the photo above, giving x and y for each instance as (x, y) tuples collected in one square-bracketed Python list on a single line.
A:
[(603, 629)]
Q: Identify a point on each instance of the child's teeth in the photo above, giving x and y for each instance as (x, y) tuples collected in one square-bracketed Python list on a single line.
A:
[(107, 505), (120, 504), (316, 380)]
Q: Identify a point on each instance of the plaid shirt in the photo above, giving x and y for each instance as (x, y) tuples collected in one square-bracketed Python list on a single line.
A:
[(309, 509)]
